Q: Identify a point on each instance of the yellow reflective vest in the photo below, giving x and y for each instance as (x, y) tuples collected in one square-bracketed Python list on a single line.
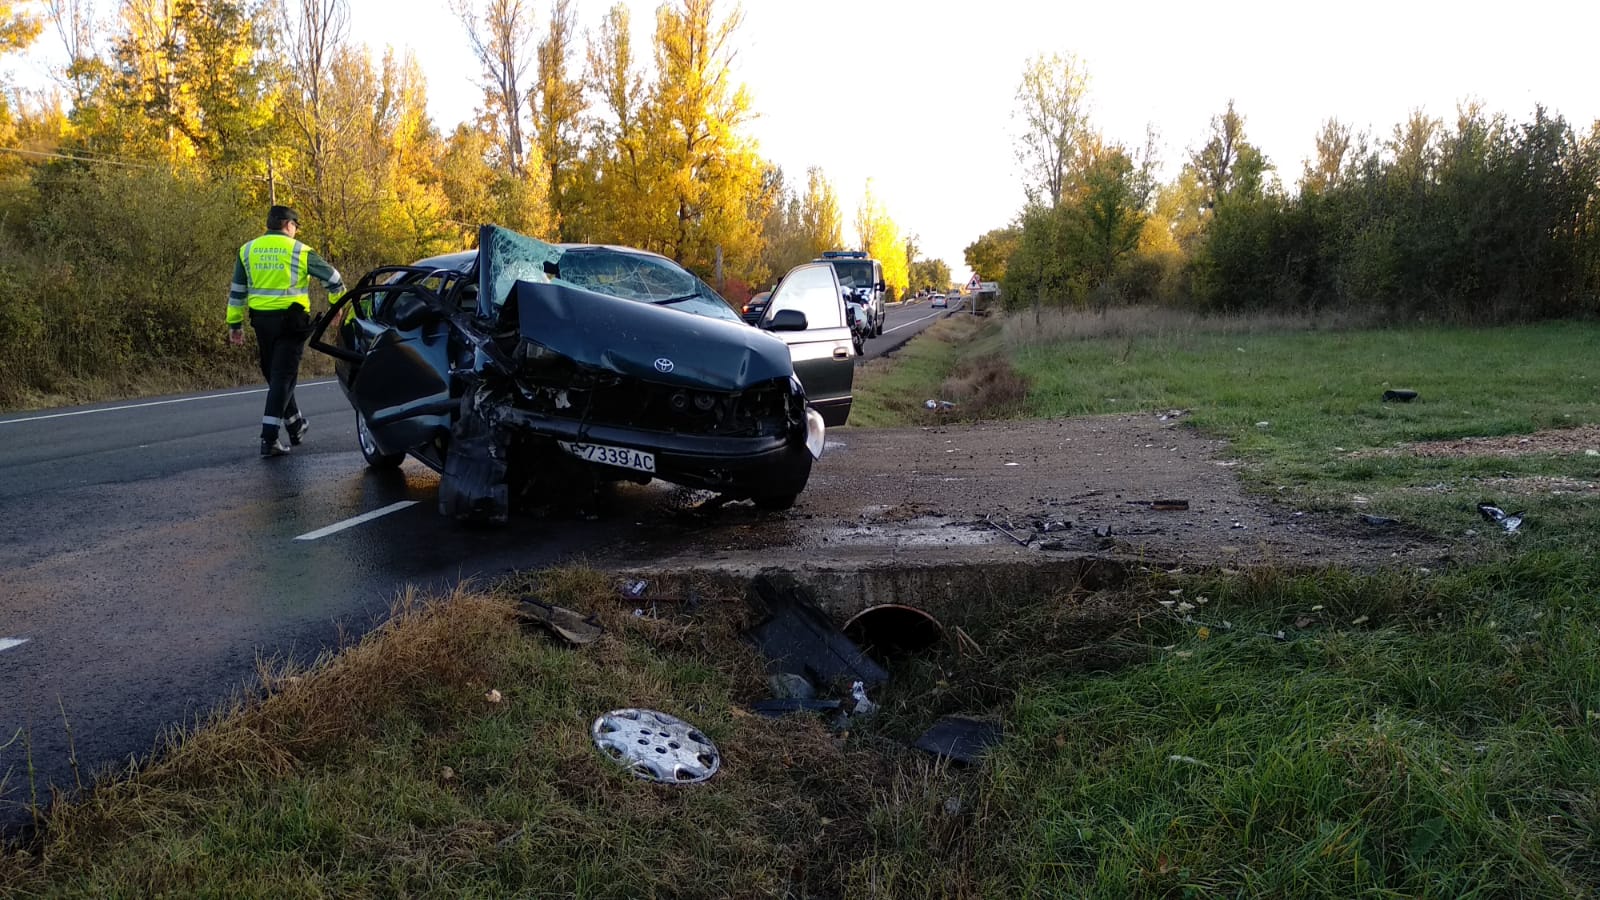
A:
[(279, 270)]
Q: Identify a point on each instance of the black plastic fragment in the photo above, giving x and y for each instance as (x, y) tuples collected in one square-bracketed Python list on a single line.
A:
[(781, 706), (1399, 396), (960, 739), (799, 638)]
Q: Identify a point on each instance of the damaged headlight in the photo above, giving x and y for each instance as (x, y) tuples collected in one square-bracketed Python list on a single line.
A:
[(815, 433), (534, 358)]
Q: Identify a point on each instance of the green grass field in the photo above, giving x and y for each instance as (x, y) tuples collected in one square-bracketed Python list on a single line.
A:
[(1180, 734)]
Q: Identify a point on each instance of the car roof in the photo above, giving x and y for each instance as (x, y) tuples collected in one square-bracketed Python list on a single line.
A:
[(462, 261)]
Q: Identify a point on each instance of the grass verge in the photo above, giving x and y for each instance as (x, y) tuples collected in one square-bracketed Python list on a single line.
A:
[(1326, 736)]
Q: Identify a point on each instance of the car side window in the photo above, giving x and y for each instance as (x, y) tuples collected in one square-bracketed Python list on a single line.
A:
[(814, 291)]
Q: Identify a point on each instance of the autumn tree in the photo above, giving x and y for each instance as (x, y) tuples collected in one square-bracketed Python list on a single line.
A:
[(1333, 143), (312, 33), (783, 235), (1228, 165), (880, 237), (18, 28), (693, 125), (187, 82), (1054, 124), (820, 215), (559, 103), (619, 202), (991, 252), (501, 36)]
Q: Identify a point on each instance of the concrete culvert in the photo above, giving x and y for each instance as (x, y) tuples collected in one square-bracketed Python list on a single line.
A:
[(893, 629)]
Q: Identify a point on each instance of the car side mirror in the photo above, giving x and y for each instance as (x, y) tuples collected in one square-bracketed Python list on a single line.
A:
[(882, 286), (788, 320)]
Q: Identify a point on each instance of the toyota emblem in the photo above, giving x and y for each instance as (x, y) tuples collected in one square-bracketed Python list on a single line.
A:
[(663, 365)]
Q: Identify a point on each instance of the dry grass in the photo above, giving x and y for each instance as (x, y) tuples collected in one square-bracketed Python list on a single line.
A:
[(1056, 326), (985, 387)]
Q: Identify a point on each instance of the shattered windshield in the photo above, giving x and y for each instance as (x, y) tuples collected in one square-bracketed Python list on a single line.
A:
[(643, 277), (506, 258), (510, 257)]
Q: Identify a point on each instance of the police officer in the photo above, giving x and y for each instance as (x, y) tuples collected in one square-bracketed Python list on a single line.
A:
[(272, 279)]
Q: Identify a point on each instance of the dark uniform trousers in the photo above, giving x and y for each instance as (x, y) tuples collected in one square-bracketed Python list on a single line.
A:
[(281, 335)]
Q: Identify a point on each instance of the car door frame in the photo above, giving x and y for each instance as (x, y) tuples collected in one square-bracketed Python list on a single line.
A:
[(823, 355)]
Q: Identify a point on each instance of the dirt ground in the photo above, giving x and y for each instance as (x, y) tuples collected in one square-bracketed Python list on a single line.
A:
[(1583, 439), (1031, 490)]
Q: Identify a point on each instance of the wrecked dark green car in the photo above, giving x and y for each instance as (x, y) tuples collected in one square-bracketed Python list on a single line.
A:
[(522, 369)]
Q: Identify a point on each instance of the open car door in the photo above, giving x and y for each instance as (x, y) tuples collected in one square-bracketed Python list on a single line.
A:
[(823, 355), (393, 356)]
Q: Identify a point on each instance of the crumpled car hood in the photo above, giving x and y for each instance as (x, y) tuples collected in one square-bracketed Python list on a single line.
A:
[(653, 343)]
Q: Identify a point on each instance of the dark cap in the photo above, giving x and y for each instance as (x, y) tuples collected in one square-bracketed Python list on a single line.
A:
[(278, 216)]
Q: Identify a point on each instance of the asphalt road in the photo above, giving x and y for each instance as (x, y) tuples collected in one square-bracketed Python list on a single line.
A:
[(151, 559)]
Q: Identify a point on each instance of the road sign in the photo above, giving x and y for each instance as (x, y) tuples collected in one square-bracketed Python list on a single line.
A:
[(989, 287)]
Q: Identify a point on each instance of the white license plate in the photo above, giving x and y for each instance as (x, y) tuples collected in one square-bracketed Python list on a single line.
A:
[(606, 455)]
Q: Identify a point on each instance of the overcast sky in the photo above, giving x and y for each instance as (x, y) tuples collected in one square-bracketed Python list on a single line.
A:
[(918, 94)]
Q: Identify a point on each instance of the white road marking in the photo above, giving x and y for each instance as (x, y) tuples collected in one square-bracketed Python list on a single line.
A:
[(85, 412), (885, 331), (337, 527), (8, 643)]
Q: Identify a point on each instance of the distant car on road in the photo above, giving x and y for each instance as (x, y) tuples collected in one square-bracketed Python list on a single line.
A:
[(756, 307), (938, 302)]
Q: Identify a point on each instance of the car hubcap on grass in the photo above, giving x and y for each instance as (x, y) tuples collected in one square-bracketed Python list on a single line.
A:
[(656, 746)]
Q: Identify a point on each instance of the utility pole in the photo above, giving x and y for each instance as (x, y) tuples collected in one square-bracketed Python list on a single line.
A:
[(272, 182)]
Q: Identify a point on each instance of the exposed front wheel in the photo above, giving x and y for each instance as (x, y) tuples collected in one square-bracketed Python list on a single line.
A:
[(375, 458)]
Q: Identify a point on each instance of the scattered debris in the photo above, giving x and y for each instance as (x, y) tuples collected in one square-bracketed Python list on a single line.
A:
[(1186, 760), (789, 686), (1263, 424), (797, 637), (493, 696), (655, 746), (1171, 414), (564, 623), (889, 630), (1170, 505), (996, 526), (1013, 464), (863, 707), (635, 589), (938, 404), (1103, 531), (447, 774), (1510, 522), (1399, 396), (1379, 521), (960, 739), (782, 706), (1360, 620)]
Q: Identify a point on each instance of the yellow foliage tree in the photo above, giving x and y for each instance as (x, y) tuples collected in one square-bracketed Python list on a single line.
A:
[(880, 238)]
